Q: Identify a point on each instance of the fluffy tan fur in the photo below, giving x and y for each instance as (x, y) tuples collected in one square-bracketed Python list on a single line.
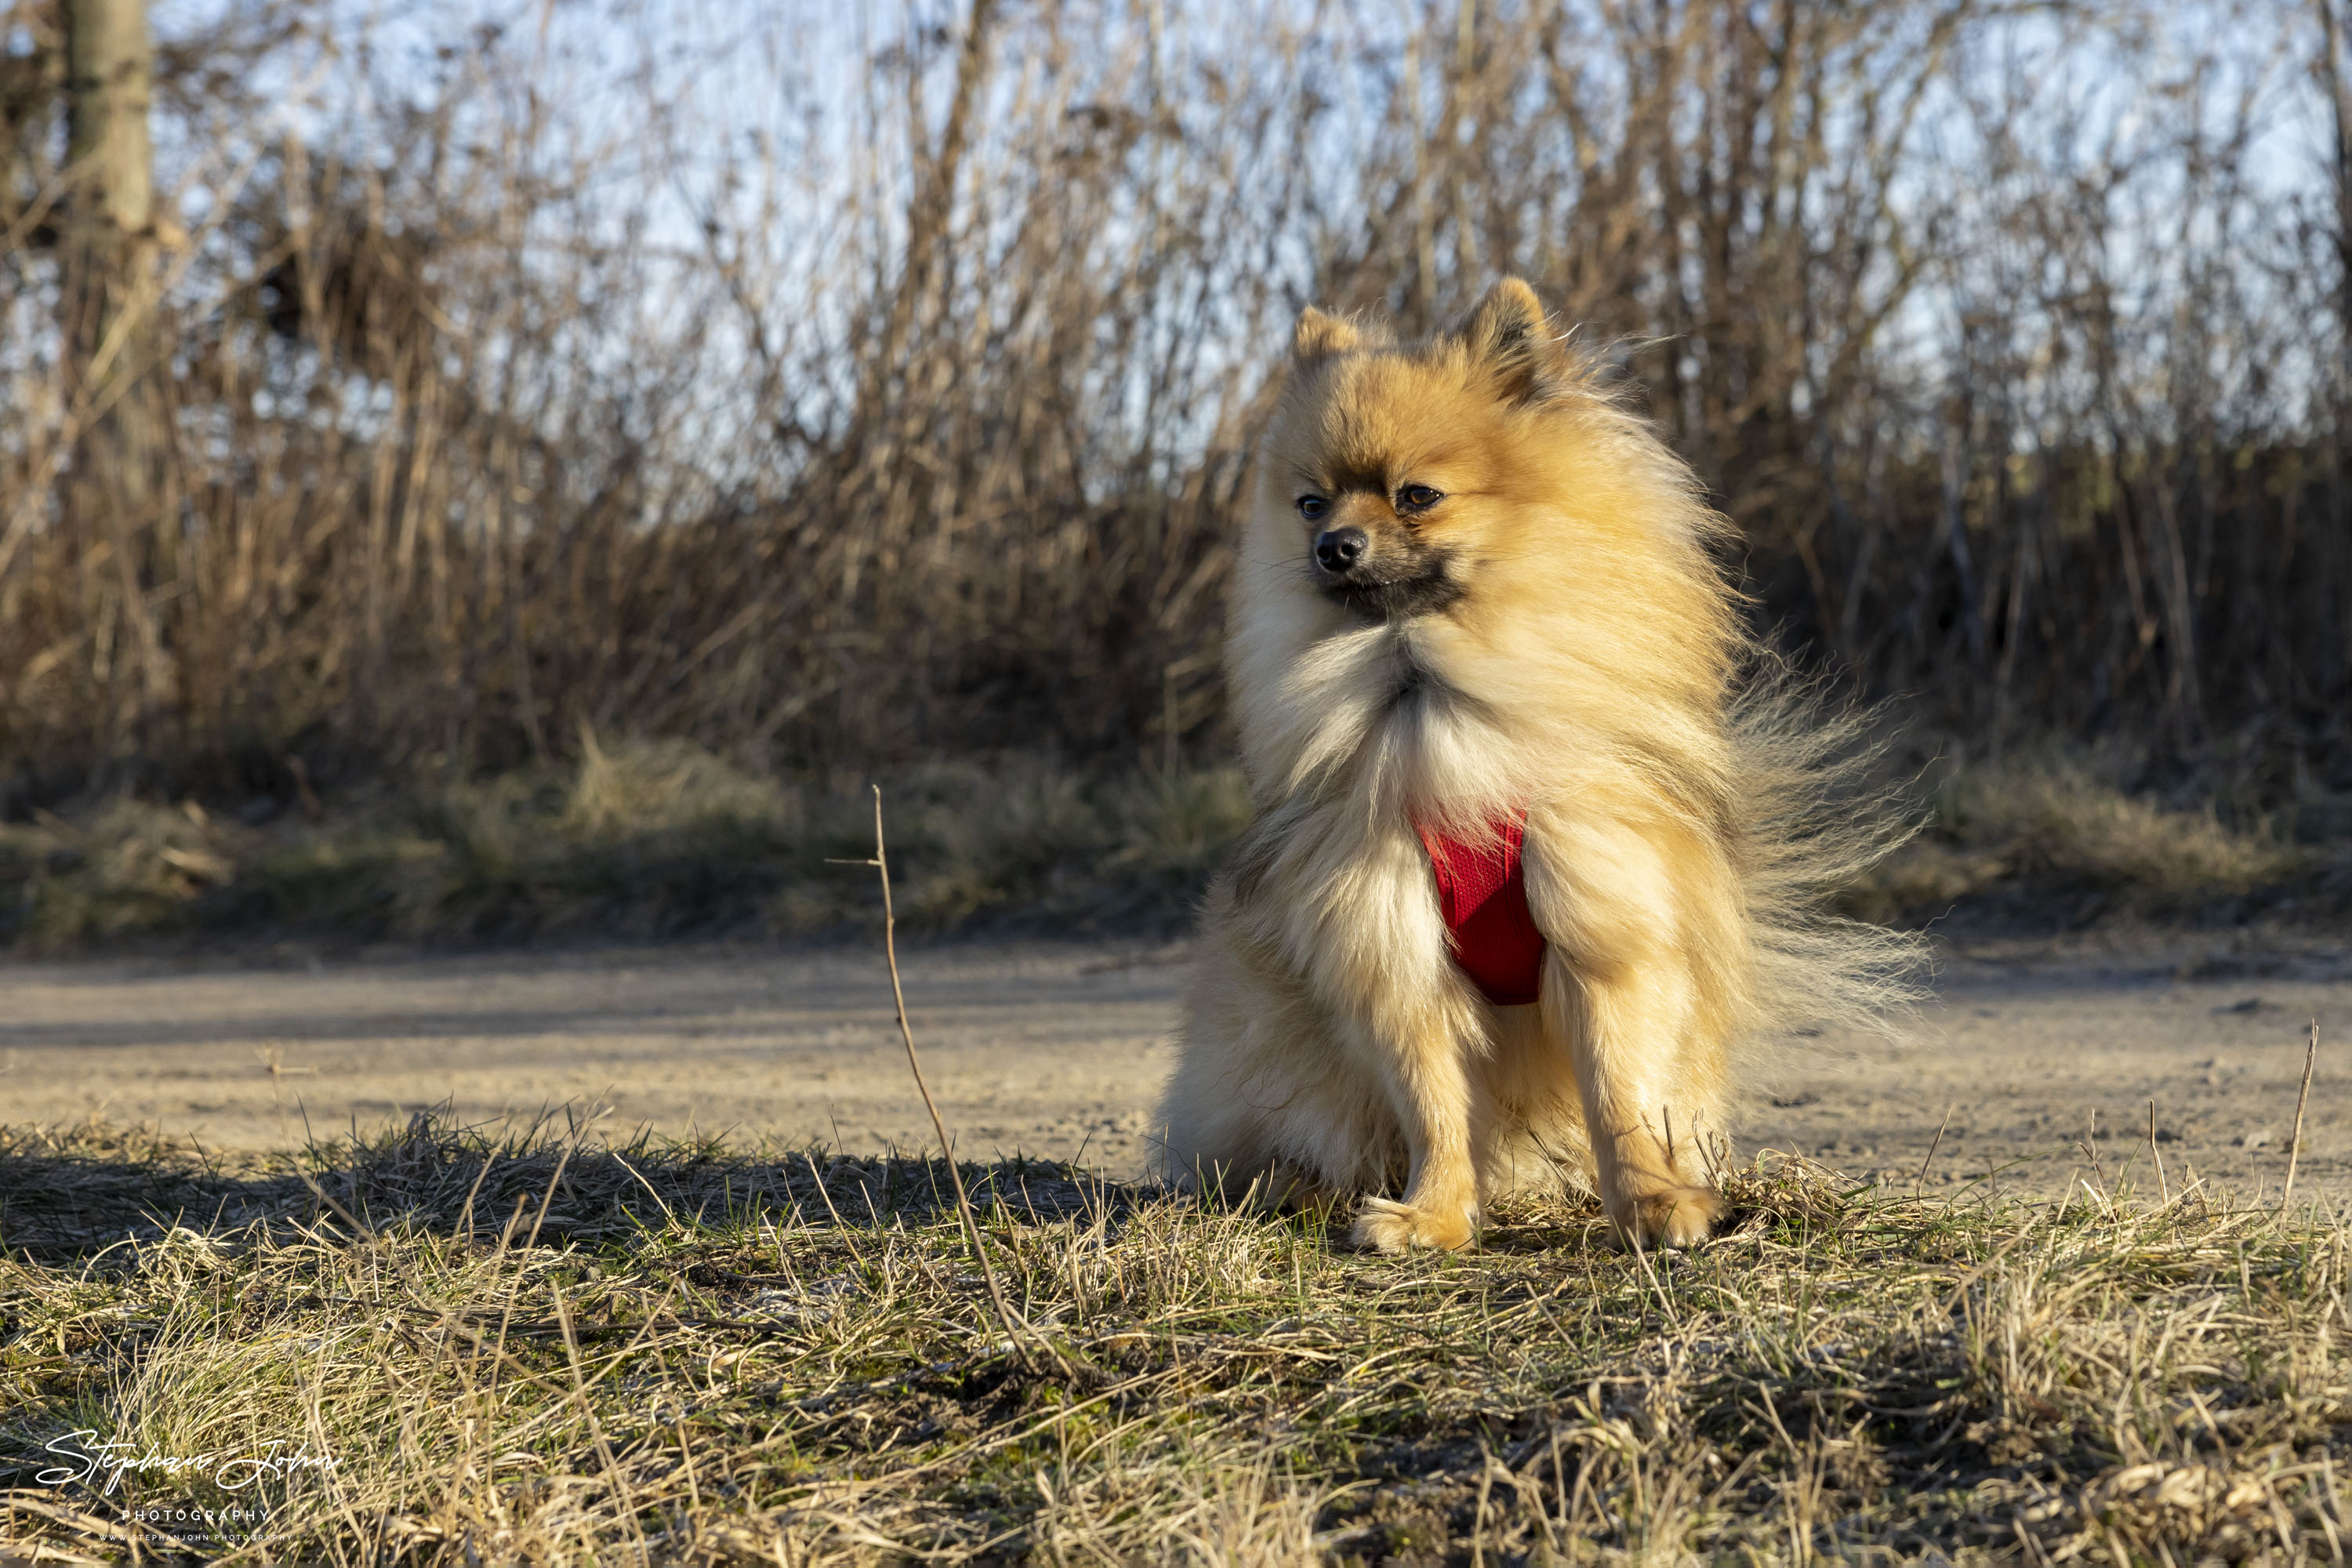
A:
[(1550, 632)]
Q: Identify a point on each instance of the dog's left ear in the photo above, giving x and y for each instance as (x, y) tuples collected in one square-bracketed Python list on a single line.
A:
[(1507, 337)]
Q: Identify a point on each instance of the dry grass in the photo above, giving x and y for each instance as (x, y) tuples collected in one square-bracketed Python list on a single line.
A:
[(542, 1347), (653, 838), (638, 839), (2055, 839)]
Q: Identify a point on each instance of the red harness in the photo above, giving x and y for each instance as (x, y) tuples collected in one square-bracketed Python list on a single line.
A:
[(1482, 890)]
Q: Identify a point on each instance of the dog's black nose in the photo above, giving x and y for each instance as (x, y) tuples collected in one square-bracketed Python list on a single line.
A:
[(1338, 549)]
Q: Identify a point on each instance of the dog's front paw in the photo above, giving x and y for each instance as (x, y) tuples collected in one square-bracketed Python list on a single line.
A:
[(1386, 1225), (1670, 1217)]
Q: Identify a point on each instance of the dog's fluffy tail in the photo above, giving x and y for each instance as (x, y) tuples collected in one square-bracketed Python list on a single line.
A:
[(1816, 815)]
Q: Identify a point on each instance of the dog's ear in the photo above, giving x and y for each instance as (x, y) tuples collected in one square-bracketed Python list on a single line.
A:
[(1508, 337), (1319, 335)]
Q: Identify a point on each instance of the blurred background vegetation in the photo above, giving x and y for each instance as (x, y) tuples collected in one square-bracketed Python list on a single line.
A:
[(474, 472)]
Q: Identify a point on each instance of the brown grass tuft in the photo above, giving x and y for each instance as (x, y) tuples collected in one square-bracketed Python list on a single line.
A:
[(2049, 839)]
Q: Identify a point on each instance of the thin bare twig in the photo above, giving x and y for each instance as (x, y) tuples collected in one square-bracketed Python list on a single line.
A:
[(1012, 1323), (2090, 1147), (1918, 1180), (2302, 1097), (2163, 1187)]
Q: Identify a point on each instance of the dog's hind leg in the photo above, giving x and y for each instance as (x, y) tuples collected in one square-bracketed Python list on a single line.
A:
[(1532, 1142), (1287, 1189)]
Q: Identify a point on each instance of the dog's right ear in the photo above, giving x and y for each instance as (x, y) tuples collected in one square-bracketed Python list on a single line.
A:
[(1319, 335)]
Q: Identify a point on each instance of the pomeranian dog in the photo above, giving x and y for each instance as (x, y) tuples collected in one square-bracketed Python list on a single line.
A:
[(1526, 862)]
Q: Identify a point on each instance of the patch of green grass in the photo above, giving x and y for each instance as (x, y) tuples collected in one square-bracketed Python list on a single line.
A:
[(538, 1347)]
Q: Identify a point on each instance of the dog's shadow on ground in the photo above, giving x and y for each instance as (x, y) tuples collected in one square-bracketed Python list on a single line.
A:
[(68, 1194), (80, 1194)]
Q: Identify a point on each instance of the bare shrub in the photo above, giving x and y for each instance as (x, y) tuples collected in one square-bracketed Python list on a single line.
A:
[(830, 397)]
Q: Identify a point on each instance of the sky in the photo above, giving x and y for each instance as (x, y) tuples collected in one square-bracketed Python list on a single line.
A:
[(733, 134)]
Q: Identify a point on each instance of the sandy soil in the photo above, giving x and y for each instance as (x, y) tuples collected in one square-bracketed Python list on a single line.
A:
[(1058, 1050)]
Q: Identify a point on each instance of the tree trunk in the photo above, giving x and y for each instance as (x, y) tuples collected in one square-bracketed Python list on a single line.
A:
[(116, 413)]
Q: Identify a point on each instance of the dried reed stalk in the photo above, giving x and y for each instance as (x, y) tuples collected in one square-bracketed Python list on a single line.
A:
[(942, 435), (2302, 1097)]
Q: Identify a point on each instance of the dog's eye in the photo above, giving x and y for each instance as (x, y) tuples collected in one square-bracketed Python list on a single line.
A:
[(1313, 506), (1419, 498)]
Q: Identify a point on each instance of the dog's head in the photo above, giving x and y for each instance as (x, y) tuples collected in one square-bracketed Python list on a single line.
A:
[(1475, 515), (1410, 478), (1410, 473)]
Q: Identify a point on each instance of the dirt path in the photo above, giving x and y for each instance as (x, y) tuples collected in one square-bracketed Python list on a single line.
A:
[(1058, 1050)]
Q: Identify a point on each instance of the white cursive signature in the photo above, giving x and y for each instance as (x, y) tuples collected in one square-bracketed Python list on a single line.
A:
[(231, 1472)]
